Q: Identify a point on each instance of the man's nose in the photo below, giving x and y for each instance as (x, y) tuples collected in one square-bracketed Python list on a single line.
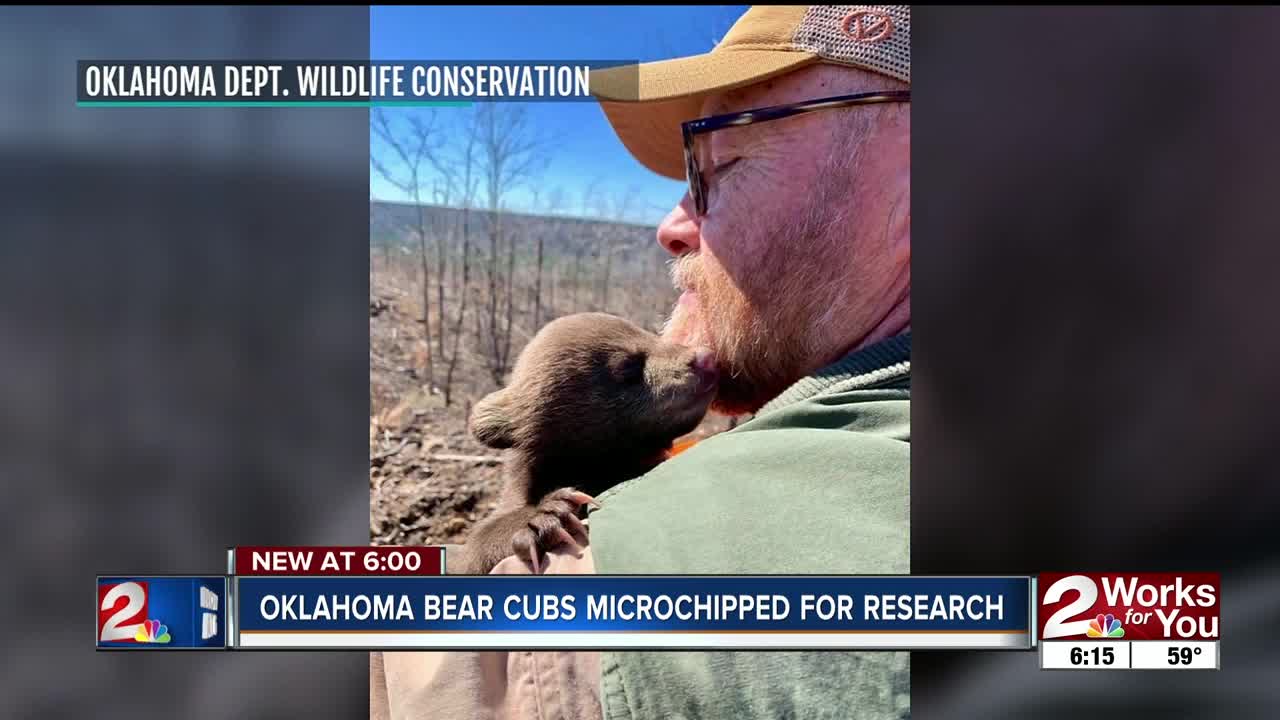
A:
[(678, 231)]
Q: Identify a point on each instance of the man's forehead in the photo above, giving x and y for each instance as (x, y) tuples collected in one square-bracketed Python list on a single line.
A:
[(777, 91), (809, 83), (741, 99)]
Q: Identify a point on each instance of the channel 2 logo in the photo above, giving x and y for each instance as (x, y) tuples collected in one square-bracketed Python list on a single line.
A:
[(122, 611), (1128, 606), (180, 612)]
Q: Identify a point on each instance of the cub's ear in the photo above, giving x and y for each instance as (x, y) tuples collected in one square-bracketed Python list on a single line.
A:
[(491, 422)]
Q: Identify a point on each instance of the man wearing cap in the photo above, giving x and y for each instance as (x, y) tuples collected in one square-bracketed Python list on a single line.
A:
[(792, 249)]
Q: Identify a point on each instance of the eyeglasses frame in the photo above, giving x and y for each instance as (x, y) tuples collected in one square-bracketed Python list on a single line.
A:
[(692, 128)]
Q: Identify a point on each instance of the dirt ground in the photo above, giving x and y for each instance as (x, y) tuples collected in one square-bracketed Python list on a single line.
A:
[(429, 480)]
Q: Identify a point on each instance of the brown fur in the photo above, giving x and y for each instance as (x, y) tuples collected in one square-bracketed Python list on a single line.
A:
[(593, 400)]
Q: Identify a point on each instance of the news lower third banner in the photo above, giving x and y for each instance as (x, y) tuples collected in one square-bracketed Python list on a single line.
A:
[(369, 598), (401, 598), (358, 83), (616, 612)]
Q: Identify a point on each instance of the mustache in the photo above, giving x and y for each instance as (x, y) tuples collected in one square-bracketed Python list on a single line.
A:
[(686, 272)]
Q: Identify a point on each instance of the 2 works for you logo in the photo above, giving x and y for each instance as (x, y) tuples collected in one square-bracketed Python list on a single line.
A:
[(1129, 606)]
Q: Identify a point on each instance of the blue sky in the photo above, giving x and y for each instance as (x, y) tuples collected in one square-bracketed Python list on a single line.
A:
[(584, 153)]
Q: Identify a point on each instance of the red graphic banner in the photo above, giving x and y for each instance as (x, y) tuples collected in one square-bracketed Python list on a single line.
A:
[(338, 560), (1128, 606)]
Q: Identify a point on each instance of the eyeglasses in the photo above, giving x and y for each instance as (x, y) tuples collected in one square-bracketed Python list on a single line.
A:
[(693, 128)]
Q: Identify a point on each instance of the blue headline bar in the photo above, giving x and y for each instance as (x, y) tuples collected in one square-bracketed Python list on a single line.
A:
[(536, 604)]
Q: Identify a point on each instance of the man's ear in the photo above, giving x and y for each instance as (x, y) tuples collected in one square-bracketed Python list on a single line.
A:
[(491, 421), (899, 230)]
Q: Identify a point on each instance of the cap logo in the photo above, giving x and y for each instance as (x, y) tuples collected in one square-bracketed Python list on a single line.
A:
[(867, 26)]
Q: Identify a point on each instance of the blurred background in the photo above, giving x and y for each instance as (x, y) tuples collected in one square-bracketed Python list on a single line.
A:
[(182, 350), (1097, 369)]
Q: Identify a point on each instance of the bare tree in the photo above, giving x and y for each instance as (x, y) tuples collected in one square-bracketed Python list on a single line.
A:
[(457, 165), (537, 282), (462, 308), (577, 277), (555, 204), (441, 194), (606, 249), (535, 292), (590, 205), (508, 297), (410, 153), (553, 274), (617, 208), (510, 154)]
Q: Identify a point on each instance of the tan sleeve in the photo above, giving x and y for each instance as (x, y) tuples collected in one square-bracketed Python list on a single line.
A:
[(378, 708), (491, 685)]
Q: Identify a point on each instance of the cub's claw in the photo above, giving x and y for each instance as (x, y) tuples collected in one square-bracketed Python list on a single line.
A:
[(553, 523), (576, 528), (564, 537), (581, 498)]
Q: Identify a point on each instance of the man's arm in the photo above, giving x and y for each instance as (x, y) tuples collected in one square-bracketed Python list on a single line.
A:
[(491, 685)]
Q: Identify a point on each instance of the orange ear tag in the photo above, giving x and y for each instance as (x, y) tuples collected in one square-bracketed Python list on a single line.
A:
[(680, 447)]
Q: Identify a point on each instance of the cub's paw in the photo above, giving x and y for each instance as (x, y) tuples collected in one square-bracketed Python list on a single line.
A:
[(552, 523)]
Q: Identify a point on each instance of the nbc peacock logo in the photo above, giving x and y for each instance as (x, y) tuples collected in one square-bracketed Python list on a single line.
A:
[(152, 631), (1105, 626)]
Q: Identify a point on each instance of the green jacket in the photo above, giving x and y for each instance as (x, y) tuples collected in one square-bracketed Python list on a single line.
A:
[(816, 483)]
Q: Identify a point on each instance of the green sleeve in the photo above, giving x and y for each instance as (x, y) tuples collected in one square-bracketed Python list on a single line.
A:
[(820, 486)]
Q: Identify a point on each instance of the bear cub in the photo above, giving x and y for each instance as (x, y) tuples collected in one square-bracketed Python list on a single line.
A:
[(593, 400)]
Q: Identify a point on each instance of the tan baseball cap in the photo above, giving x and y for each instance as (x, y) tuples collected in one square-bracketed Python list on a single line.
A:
[(646, 103)]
